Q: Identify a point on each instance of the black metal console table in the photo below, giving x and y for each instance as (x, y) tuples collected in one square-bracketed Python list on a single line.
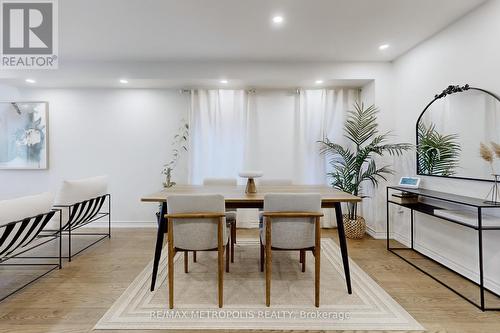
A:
[(429, 209)]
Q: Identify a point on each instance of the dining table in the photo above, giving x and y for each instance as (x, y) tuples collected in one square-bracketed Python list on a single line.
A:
[(236, 197)]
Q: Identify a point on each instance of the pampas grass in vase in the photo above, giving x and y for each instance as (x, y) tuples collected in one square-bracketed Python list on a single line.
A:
[(496, 148), (489, 154)]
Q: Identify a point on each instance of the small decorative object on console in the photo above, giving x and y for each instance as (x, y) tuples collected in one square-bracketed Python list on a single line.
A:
[(404, 198), (410, 182), (493, 194), (490, 155)]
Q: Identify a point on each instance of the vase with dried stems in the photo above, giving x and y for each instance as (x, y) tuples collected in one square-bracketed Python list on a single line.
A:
[(179, 145), (489, 153)]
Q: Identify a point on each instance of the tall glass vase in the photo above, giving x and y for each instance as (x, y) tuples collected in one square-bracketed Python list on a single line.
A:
[(494, 194), (168, 178)]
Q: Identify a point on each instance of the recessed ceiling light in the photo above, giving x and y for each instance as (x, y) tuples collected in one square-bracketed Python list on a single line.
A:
[(318, 81), (123, 81), (223, 81), (30, 81), (278, 19), (383, 47)]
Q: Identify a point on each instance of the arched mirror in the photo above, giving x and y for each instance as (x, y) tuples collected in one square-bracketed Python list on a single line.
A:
[(458, 135)]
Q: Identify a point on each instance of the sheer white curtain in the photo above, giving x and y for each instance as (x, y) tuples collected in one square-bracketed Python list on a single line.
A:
[(320, 114), (274, 131), (218, 122)]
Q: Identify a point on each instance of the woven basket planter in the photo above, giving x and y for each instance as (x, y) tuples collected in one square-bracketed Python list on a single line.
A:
[(354, 229)]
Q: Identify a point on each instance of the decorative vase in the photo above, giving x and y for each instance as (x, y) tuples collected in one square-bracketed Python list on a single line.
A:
[(354, 229), (168, 178), (251, 175), (494, 193)]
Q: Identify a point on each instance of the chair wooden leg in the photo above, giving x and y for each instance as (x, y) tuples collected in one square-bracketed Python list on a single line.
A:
[(227, 256), (300, 256), (186, 262), (171, 268), (268, 259), (317, 261), (262, 257), (303, 261), (220, 253), (194, 256)]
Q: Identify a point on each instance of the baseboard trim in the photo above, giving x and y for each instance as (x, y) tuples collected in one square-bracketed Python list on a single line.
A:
[(123, 224), (375, 234)]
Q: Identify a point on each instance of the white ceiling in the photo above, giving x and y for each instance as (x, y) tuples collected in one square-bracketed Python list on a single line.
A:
[(186, 43), (328, 30)]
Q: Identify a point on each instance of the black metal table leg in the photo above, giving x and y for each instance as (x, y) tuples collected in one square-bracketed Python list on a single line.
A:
[(343, 245), (480, 242), (387, 217), (109, 215), (69, 241), (412, 217), (159, 243)]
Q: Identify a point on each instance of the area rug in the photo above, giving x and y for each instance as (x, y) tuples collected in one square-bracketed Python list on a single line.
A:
[(369, 307)]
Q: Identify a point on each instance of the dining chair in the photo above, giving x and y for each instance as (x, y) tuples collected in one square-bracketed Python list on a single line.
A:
[(291, 222), (273, 182), (197, 223), (230, 215)]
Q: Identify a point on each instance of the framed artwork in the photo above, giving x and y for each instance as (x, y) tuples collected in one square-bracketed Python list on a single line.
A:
[(24, 135)]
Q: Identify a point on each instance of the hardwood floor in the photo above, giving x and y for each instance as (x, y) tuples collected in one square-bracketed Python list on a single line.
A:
[(74, 298)]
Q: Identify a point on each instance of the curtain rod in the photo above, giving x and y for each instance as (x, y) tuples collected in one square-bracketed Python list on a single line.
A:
[(255, 91)]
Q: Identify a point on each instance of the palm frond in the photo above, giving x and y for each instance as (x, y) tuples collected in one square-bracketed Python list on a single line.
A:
[(373, 174), (437, 154), (361, 124)]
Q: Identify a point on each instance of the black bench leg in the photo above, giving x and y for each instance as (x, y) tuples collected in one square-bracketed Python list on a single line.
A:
[(159, 243), (343, 245)]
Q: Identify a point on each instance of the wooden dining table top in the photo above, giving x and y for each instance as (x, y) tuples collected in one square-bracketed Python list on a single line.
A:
[(235, 195)]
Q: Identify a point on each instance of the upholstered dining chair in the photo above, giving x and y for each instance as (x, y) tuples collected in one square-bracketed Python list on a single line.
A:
[(230, 215), (291, 222), (273, 182), (197, 223)]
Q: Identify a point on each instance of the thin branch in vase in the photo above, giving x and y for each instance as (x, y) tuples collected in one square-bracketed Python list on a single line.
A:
[(179, 144)]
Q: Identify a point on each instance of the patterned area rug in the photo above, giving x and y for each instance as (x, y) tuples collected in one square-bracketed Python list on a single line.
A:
[(292, 296)]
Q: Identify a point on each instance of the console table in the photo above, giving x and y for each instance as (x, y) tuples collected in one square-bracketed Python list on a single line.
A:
[(480, 223)]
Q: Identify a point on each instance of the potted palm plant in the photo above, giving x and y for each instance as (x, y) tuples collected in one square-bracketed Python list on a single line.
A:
[(354, 165)]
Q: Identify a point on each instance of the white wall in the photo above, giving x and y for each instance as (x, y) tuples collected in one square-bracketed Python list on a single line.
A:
[(136, 126), (123, 133), (466, 52), (8, 92)]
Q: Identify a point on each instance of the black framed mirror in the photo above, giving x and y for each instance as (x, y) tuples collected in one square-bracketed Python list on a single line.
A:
[(458, 135)]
